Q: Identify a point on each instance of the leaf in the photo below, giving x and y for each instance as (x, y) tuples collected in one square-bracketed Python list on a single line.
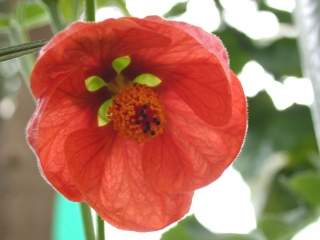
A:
[(284, 17), (70, 9), (20, 50), (94, 83), (307, 186), (31, 14), (281, 58), (56, 19), (176, 10), (271, 131), (4, 22), (102, 117), (274, 57), (280, 199), (147, 79), (121, 4), (285, 226), (190, 229)]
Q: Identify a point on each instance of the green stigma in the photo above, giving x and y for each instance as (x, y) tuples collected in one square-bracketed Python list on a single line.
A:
[(94, 83), (147, 79), (103, 117), (121, 63)]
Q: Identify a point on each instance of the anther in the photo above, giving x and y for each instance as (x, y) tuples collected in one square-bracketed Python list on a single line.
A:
[(146, 128), (156, 121), (137, 113)]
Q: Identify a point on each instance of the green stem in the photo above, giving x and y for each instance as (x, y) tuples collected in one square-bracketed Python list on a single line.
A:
[(86, 215), (100, 228), (17, 54), (57, 23), (90, 10), (77, 8), (87, 222), (35, 45), (18, 35)]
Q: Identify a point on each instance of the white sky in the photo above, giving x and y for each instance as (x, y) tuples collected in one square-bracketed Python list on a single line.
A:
[(255, 78)]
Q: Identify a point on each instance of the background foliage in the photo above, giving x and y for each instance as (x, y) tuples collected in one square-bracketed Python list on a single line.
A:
[(291, 194)]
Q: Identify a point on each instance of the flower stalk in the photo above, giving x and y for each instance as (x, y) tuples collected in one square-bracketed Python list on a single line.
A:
[(90, 10), (57, 23), (100, 228), (87, 222)]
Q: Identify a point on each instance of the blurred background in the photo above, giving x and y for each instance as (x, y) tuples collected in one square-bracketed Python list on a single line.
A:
[(272, 192)]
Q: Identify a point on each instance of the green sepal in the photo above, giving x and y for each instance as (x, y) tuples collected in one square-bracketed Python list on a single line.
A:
[(103, 118), (147, 79), (94, 83), (121, 63)]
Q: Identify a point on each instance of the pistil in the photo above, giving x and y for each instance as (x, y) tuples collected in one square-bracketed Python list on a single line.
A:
[(136, 112)]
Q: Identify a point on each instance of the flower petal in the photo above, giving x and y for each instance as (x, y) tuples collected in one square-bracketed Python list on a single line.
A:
[(210, 41), (54, 119), (74, 55), (191, 153), (57, 38), (188, 67), (107, 170), (173, 54)]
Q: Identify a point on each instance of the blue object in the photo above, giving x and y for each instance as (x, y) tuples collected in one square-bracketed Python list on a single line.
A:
[(67, 222)]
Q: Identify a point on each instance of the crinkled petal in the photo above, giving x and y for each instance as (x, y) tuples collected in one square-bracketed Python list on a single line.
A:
[(210, 41), (180, 59), (188, 67), (57, 38), (191, 153), (107, 170), (54, 119), (86, 49)]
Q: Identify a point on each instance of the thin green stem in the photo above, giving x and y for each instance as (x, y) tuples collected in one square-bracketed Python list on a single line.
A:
[(56, 18), (90, 10), (17, 54), (100, 228), (57, 23), (35, 45), (17, 36), (77, 8), (123, 7), (87, 222)]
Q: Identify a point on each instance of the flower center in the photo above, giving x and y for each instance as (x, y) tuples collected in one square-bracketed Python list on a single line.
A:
[(136, 113)]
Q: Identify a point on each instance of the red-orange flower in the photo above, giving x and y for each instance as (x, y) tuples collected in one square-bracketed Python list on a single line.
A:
[(133, 115)]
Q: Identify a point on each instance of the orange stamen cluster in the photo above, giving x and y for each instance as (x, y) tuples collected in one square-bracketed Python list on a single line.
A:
[(136, 113)]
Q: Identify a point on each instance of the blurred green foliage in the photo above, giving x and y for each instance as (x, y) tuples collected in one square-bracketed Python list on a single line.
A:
[(190, 229), (291, 194), (31, 15), (70, 9), (279, 57), (176, 10)]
